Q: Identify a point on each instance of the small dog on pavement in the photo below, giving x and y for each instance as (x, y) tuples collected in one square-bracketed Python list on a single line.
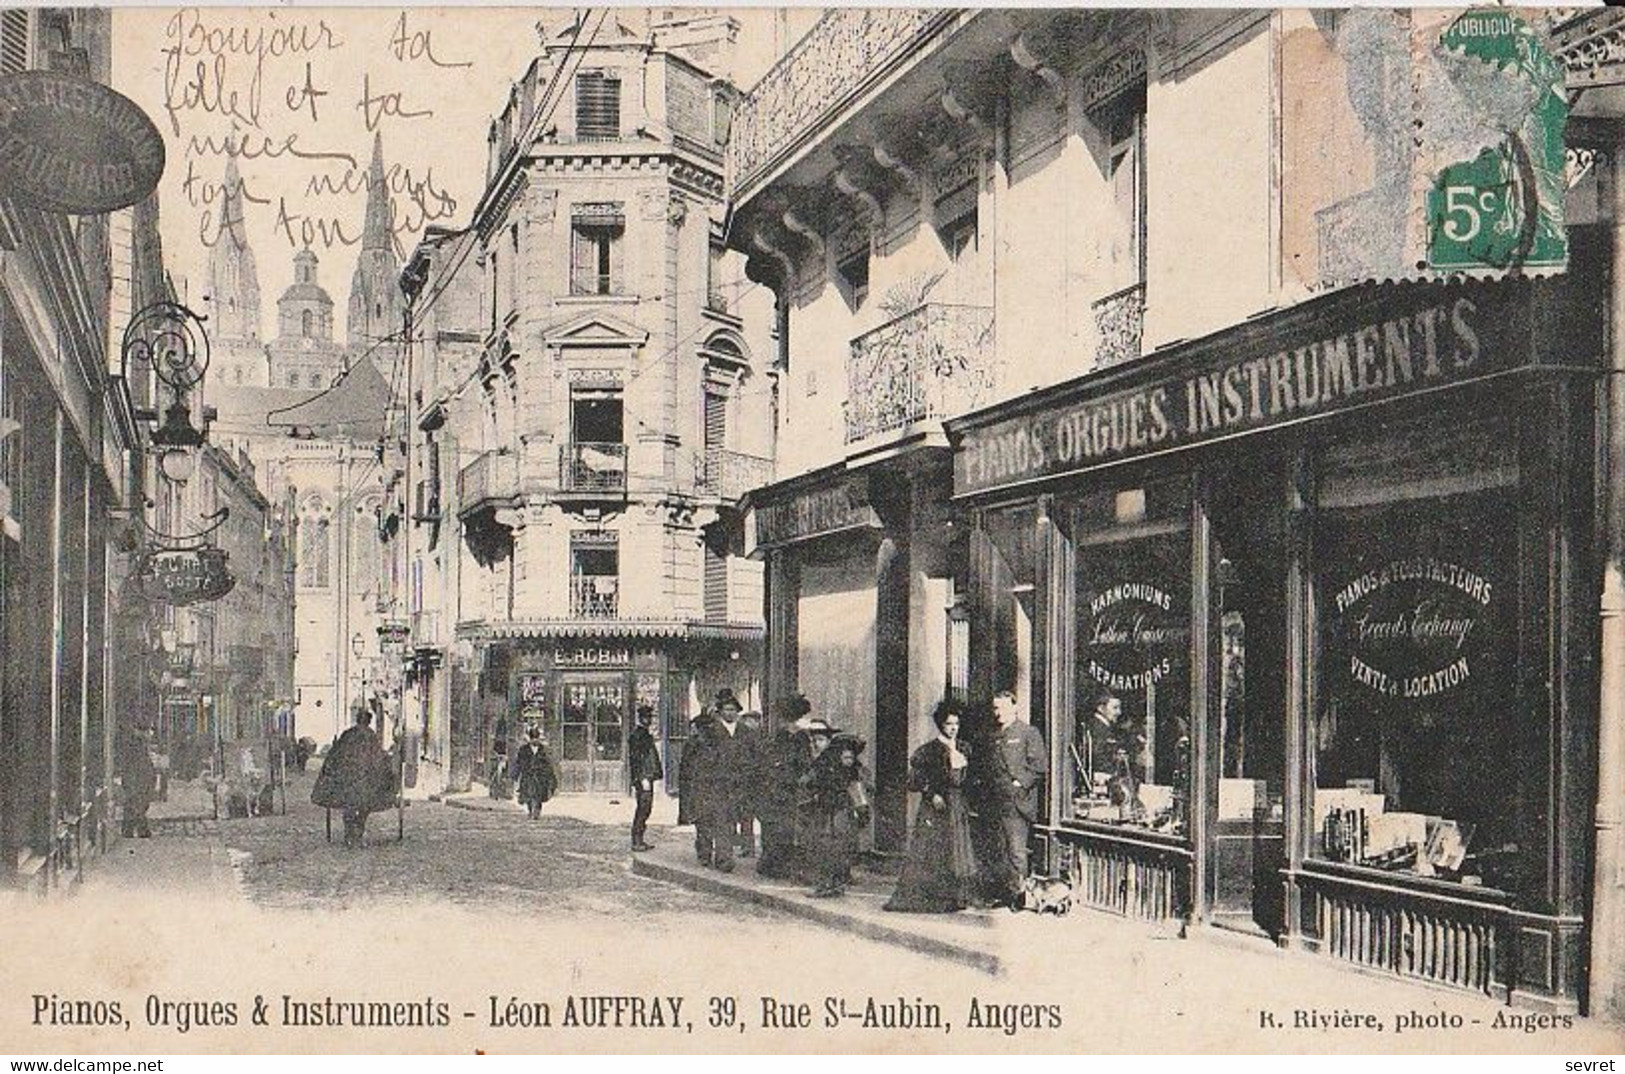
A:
[(1046, 895)]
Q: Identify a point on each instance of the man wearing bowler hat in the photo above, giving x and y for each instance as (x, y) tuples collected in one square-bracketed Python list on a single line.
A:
[(725, 772)]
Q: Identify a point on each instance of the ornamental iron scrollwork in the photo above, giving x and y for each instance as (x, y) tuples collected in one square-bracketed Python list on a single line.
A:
[(169, 338)]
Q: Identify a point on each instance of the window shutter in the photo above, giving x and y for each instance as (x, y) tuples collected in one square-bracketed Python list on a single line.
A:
[(583, 262), (612, 239), (13, 40), (598, 106)]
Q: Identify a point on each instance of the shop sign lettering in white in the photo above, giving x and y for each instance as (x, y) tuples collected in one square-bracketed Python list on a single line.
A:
[(1414, 628), (586, 656), (1438, 344), (1135, 636)]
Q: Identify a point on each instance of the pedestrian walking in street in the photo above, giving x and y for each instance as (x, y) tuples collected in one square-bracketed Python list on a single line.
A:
[(721, 782), (138, 780), (939, 873), (500, 785), (692, 778), (355, 777), (1016, 761), (643, 764), (837, 796), (534, 773), (788, 753)]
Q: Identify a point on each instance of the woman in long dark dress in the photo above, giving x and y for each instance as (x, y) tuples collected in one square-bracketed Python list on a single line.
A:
[(939, 874)]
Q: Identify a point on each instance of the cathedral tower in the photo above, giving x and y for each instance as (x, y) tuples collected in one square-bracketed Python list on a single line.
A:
[(375, 296), (232, 294)]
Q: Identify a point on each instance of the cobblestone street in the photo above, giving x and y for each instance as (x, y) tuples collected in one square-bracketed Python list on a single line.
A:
[(574, 859)]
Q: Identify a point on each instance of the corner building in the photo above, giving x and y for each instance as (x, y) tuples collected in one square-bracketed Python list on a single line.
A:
[(621, 388), (1301, 579)]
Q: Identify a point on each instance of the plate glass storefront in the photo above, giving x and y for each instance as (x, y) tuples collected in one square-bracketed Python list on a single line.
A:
[(1128, 751)]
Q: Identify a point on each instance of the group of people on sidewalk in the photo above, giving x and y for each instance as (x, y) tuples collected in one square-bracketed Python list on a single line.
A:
[(807, 787)]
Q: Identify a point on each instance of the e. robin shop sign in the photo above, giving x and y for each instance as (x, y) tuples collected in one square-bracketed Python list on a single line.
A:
[(1254, 380), (70, 145)]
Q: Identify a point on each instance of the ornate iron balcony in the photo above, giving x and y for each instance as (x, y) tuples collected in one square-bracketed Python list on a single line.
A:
[(936, 362), (595, 596), (731, 474), (845, 50), (1120, 319), (595, 468)]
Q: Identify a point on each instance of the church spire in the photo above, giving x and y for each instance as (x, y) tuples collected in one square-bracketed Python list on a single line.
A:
[(232, 283), (375, 293), (231, 209), (375, 233)]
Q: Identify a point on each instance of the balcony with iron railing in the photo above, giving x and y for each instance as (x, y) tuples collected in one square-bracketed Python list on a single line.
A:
[(933, 363), (593, 469), (491, 480), (426, 629), (1120, 323), (846, 51), (595, 596), (728, 475)]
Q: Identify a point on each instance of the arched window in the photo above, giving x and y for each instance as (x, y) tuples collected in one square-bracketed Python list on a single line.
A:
[(307, 323), (237, 374), (293, 380), (315, 380), (315, 545)]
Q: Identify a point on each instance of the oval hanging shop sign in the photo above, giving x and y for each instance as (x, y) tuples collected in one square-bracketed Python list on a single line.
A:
[(1414, 628), (181, 577), (70, 145)]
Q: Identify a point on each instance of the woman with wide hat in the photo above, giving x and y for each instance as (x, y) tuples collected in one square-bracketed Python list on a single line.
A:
[(837, 807)]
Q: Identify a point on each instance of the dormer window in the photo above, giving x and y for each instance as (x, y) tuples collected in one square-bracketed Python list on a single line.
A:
[(598, 106)]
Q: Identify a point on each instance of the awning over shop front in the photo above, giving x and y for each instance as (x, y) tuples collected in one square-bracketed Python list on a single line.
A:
[(678, 630)]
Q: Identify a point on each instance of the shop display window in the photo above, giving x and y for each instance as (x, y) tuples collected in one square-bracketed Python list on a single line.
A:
[(1129, 745), (1420, 752), (1011, 533)]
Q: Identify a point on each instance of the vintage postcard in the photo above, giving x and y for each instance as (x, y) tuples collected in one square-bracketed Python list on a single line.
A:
[(783, 530)]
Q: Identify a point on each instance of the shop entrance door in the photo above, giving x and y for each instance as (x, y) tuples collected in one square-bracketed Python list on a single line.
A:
[(591, 737), (1246, 721)]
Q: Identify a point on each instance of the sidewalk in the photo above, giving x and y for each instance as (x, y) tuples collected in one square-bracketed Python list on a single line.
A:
[(969, 938), (185, 856)]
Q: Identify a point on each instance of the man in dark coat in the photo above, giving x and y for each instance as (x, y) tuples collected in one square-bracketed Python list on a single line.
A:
[(138, 779), (534, 773), (692, 778), (355, 777), (1017, 766), (643, 764), (787, 756), (723, 780)]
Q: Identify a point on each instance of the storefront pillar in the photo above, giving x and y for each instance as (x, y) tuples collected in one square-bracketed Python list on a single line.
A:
[(783, 584), (1203, 784), (1608, 897), (1297, 819), (1054, 700), (59, 643), (890, 751)]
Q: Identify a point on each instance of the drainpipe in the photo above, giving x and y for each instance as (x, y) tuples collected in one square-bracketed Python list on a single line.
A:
[(1607, 992)]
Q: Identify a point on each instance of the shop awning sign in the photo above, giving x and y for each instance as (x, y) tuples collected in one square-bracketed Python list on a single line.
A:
[(181, 577), (815, 512), (70, 145), (1219, 388)]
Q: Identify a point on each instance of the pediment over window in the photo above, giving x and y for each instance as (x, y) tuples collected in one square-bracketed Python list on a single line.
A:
[(595, 329)]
